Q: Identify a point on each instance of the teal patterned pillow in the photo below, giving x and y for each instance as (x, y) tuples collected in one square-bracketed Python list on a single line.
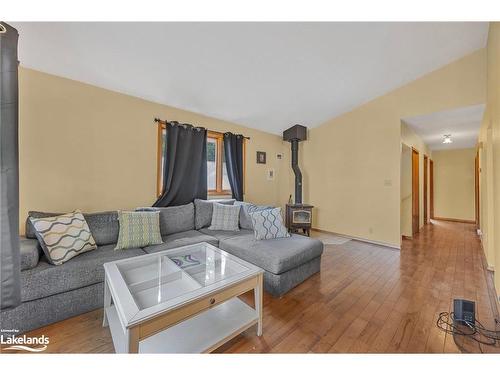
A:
[(268, 224), (138, 229)]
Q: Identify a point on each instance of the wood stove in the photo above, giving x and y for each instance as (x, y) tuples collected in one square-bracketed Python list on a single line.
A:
[(298, 215)]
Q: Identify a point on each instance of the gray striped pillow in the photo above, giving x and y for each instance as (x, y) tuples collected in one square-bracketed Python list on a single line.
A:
[(63, 237), (268, 224), (225, 217)]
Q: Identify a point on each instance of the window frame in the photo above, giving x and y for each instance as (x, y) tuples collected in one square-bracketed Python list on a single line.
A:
[(219, 139)]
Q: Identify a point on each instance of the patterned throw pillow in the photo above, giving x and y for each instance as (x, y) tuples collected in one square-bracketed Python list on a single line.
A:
[(268, 224), (138, 229), (63, 237), (225, 217), (246, 208)]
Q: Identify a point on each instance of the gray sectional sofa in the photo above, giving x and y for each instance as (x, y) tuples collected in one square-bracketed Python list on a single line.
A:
[(52, 293)]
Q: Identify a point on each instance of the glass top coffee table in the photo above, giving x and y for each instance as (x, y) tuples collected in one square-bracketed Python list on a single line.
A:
[(183, 300)]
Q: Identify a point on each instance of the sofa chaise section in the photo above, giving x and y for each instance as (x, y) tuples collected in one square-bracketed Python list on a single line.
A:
[(286, 261)]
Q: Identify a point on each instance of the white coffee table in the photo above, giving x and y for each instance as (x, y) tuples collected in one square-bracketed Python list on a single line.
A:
[(183, 300)]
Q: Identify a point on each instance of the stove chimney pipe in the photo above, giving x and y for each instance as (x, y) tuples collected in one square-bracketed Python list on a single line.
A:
[(294, 135)]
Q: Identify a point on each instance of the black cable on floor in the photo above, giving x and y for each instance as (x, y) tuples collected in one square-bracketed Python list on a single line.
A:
[(475, 331)]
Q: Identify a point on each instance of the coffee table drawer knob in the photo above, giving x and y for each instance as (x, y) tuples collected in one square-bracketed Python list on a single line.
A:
[(212, 301)]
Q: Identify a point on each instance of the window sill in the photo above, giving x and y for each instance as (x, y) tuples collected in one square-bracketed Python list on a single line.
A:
[(219, 196)]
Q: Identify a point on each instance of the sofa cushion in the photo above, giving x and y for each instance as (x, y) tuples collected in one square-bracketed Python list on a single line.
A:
[(30, 253), (203, 211), (223, 234), (174, 219), (103, 225), (189, 237), (86, 269), (276, 255)]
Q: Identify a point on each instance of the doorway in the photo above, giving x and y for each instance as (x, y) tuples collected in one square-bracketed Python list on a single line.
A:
[(415, 211), (426, 217)]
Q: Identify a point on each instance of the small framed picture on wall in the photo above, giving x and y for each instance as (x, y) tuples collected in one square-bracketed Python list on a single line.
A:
[(261, 157)]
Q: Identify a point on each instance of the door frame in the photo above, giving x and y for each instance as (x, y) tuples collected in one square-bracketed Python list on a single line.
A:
[(426, 211), (476, 188), (415, 190), (431, 188)]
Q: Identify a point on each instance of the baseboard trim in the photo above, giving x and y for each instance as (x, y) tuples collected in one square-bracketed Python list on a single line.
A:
[(455, 220), (490, 282), (398, 247)]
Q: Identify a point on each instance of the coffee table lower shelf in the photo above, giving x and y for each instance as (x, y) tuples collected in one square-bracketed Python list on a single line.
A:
[(202, 333)]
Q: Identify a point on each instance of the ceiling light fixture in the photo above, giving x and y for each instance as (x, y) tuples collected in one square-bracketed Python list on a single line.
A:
[(447, 138)]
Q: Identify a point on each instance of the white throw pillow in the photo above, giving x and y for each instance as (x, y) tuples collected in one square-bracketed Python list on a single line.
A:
[(268, 224), (225, 217)]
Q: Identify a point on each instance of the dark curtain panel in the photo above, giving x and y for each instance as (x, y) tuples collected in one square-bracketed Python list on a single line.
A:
[(233, 150), (185, 166), (10, 292)]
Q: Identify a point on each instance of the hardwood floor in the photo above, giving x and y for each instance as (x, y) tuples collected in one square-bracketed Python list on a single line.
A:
[(366, 299)]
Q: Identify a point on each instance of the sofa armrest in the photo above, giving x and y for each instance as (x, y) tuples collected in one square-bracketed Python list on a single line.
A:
[(30, 253)]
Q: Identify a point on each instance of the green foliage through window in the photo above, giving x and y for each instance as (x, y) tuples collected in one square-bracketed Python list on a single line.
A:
[(210, 151)]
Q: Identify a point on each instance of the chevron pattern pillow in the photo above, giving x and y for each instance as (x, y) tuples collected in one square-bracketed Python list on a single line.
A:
[(63, 237), (138, 229), (268, 224)]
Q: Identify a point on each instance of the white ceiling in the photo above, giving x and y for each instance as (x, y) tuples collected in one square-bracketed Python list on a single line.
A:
[(462, 123), (267, 76)]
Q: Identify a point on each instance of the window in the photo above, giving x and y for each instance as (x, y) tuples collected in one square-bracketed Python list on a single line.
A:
[(217, 180)]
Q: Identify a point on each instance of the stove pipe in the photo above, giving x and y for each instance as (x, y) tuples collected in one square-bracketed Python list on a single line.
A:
[(294, 135)]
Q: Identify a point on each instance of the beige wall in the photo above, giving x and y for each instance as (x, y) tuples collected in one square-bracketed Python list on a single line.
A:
[(93, 149), (352, 163), (489, 141), (454, 190)]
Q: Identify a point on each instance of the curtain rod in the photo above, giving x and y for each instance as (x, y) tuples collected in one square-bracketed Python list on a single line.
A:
[(163, 122)]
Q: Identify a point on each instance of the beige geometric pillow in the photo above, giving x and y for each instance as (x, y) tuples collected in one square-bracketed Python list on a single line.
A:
[(63, 237)]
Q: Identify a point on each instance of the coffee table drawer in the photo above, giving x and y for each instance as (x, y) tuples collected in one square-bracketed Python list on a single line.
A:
[(153, 326)]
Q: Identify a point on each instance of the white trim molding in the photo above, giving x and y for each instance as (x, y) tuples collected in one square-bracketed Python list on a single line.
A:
[(380, 243)]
